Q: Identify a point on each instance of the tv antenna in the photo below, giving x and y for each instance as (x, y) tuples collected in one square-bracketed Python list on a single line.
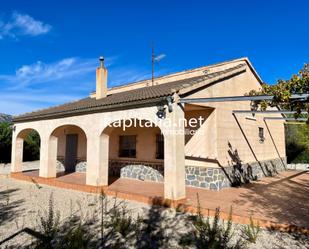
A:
[(154, 59), (152, 64)]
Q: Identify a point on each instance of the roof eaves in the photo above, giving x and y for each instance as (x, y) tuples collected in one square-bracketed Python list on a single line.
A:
[(90, 110), (230, 72)]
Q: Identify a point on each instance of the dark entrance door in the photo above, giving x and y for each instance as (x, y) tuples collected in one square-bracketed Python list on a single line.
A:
[(71, 152)]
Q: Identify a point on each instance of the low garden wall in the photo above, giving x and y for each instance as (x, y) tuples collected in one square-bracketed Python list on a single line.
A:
[(208, 178), (142, 172), (145, 171), (298, 166), (224, 177)]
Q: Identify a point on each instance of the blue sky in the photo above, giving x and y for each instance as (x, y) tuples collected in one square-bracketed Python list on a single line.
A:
[(49, 50)]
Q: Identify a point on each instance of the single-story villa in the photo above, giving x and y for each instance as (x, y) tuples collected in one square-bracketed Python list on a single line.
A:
[(147, 131)]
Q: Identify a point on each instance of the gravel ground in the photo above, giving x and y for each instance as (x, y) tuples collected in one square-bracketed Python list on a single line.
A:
[(5, 169), (27, 200)]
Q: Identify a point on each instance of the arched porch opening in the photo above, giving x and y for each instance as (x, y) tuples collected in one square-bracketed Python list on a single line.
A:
[(26, 154), (133, 150), (68, 150)]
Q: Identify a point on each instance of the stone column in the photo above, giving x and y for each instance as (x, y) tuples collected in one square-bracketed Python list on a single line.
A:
[(174, 156), (17, 154), (97, 160), (48, 157)]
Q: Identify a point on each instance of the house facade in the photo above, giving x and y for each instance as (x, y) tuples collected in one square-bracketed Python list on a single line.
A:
[(147, 131)]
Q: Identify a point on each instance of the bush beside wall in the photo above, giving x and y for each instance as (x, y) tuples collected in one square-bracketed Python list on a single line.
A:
[(31, 144), (297, 142)]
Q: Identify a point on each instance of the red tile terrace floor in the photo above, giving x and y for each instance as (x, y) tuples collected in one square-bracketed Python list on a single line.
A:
[(280, 202)]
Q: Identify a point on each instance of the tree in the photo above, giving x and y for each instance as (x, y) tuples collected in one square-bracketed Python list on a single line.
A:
[(5, 142), (32, 146), (282, 91)]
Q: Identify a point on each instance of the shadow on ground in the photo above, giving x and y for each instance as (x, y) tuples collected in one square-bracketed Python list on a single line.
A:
[(9, 209), (285, 200)]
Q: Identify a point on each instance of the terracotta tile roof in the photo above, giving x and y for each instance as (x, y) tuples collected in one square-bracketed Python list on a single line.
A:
[(122, 100)]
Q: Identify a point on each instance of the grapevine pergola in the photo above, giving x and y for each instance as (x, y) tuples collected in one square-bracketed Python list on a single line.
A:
[(289, 97), (303, 98)]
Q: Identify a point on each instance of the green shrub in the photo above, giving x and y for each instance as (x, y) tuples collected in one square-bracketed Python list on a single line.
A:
[(76, 238), (297, 142), (5, 142), (48, 225), (32, 146), (121, 221), (250, 232), (212, 235)]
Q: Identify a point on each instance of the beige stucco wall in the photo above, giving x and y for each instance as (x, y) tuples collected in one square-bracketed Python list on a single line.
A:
[(61, 133), (145, 143), (94, 126), (227, 129)]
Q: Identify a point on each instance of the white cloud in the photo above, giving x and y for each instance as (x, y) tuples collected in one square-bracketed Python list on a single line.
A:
[(23, 25), (40, 84), (41, 73)]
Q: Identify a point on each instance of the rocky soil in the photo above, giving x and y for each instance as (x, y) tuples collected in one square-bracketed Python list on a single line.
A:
[(23, 202)]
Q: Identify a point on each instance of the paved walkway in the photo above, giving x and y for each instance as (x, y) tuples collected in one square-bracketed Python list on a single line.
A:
[(282, 200)]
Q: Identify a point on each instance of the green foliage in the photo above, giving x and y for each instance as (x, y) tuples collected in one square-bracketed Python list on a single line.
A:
[(297, 143), (151, 234), (76, 238), (32, 146), (49, 226), (283, 90), (5, 142), (120, 230), (212, 235), (117, 226), (121, 221), (251, 231)]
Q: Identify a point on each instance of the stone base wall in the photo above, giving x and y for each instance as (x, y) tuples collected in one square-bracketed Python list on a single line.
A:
[(141, 172), (149, 171), (224, 177), (115, 167), (80, 165), (60, 165), (298, 166)]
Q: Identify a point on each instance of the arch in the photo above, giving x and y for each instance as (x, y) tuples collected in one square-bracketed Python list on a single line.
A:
[(25, 132), (67, 147), (63, 126), (140, 162), (26, 147)]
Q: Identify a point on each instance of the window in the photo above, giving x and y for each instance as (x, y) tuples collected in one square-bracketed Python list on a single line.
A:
[(159, 146), (127, 146), (261, 134)]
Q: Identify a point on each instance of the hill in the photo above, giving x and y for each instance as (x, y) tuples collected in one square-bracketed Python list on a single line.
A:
[(5, 118)]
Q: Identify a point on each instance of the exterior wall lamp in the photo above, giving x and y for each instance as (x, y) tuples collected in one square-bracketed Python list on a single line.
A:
[(161, 112)]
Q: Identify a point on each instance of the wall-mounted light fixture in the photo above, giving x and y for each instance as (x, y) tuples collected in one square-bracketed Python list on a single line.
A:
[(261, 134), (161, 112)]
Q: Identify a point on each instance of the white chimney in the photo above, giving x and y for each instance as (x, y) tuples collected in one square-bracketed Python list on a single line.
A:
[(101, 80)]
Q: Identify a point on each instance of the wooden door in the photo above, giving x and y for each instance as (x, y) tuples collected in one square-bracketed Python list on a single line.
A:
[(71, 152)]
